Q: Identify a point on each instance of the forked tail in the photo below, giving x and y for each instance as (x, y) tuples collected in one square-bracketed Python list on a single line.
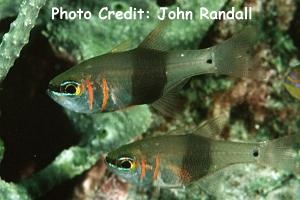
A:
[(235, 56), (282, 153)]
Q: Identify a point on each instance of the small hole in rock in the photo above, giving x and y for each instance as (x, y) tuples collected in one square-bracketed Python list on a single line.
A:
[(165, 3), (118, 6), (209, 61), (255, 153)]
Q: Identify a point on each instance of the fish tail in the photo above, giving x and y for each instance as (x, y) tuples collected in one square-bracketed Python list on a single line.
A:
[(235, 56), (282, 153)]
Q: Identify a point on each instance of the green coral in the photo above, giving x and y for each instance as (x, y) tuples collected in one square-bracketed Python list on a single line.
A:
[(104, 35), (11, 191), (18, 35)]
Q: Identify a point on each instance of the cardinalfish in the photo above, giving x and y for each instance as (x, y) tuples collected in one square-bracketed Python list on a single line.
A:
[(178, 160), (292, 82), (148, 74)]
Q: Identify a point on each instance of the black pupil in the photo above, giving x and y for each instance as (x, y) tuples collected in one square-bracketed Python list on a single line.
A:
[(71, 89), (126, 164)]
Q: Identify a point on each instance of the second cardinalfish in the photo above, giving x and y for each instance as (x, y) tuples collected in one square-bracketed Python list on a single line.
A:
[(148, 74), (177, 160), (292, 82)]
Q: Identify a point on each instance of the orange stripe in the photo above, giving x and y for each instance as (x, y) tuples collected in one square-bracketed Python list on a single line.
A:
[(156, 170), (143, 170), (90, 93), (105, 94)]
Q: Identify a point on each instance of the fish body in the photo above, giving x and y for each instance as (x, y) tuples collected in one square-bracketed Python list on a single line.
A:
[(292, 82), (117, 81), (148, 74), (178, 160)]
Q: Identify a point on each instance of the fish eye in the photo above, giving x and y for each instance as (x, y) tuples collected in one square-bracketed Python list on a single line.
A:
[(72, 88), (126, 163)]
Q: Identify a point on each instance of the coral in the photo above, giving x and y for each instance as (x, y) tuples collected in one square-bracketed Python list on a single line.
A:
[(10, 191), (18, 35), (9, 8)]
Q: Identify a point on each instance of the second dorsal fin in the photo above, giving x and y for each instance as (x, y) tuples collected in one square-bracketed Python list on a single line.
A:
[(124, 46), (212, 127), (154, 40)]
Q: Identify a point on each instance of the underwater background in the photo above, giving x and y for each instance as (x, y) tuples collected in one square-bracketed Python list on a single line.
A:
[(47, 152)]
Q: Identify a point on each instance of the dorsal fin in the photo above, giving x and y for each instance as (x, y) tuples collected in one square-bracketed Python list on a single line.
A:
[(212, 127), (124, 46), (154, 40)]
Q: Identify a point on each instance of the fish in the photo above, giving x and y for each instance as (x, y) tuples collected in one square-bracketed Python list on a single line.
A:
[(177, 160), (149, 74), (292, 82)]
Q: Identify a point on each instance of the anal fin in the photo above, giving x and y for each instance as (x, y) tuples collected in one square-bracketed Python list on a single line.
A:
[(169, 105)]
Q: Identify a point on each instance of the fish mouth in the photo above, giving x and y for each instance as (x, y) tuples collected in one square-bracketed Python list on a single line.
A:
[(51, 93), (53, 88)]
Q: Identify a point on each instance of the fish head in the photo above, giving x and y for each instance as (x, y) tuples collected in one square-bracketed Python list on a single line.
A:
[(292, 82), (126, 163), (69, 89)]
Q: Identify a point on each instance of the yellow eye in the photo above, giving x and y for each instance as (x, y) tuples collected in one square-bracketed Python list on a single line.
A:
[(127, 163), (71, 88)]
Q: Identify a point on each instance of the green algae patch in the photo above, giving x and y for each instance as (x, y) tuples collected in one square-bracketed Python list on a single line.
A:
[(18, 35), (11, 191), (82, 39)]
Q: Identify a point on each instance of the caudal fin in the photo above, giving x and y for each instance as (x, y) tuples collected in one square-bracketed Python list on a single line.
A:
[(235, 56), (282, 153)]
